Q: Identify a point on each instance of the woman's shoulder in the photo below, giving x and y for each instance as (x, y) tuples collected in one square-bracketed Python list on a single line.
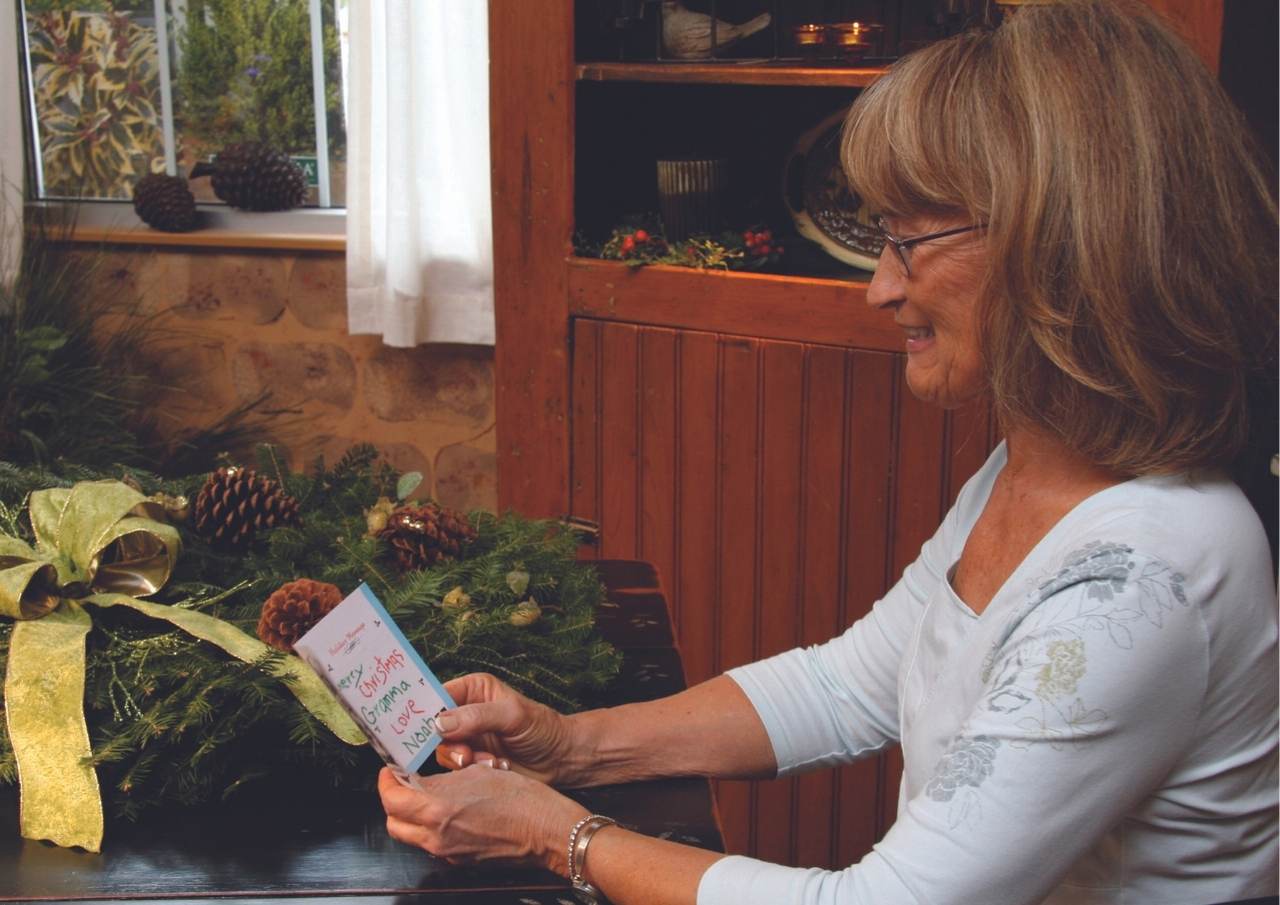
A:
[(1195, 519), (1190, 540)]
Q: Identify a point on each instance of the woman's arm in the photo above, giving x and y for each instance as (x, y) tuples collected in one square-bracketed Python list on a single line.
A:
[(708, 730)]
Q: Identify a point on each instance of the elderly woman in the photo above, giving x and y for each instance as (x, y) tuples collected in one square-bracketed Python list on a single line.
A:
[(1081, 664)]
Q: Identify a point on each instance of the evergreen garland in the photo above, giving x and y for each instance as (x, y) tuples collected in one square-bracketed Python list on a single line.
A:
[(174, 720)]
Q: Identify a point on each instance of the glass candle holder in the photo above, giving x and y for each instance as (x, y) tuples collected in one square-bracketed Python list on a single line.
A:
[(852, 41), (809, 40), (691, 196)]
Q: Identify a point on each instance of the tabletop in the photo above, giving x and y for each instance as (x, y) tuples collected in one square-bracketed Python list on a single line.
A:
[(335, 846)]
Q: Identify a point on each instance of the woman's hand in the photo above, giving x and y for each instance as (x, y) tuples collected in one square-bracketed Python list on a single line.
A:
[(496, 726), (479, 814)]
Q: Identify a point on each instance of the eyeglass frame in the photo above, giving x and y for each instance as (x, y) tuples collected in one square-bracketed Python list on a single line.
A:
[(902, 245)]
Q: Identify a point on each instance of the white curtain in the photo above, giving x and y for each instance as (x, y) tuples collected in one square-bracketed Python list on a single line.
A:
[(419, 223), (11, 166)]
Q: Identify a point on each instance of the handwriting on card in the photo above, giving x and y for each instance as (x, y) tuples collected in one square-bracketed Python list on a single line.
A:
[(364, 658)]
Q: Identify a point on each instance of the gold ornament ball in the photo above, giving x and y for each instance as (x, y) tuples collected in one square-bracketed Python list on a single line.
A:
[(526, 613), (377, 515), (456, 600), (176, 508)]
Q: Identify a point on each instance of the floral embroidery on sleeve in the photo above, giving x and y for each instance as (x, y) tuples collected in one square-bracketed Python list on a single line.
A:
[(1102, 588), (964, 766), (1065, 668), (1082, 597)]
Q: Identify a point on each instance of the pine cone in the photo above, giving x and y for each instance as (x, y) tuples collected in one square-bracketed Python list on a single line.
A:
[(421, 536), (235, 504), (164, 202), (255, 177), (293, 609)]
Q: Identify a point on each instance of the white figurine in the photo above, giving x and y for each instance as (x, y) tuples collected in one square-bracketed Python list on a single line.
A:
[(686, 35)]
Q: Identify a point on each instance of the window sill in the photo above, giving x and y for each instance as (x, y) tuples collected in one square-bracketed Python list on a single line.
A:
[(115, 223)]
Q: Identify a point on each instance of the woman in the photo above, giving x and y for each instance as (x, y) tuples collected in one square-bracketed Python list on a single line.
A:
[(1081, 663)]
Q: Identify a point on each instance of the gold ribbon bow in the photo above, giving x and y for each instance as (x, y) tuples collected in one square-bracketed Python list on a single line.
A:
[(100, 543)]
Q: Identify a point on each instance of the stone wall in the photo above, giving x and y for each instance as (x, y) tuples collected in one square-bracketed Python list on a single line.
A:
[(232, 326)]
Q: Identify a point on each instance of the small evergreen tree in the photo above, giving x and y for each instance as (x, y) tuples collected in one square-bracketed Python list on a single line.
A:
[(245, 74)]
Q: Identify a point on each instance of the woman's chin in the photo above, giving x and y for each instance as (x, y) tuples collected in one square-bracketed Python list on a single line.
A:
[(935, 389)]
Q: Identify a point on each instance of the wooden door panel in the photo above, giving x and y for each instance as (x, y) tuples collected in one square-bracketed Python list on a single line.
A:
[(697, 511), (619, 445), (779, 557), (826, 418), (779, 487), (868, 470), (737, 555), (658, 394)]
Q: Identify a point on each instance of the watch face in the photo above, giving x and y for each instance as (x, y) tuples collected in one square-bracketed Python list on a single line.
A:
[(586, 893)]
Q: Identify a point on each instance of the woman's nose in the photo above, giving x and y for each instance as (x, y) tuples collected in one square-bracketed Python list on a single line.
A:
[(888, 282)]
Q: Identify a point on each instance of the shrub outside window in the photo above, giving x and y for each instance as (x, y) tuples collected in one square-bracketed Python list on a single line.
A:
[(118, 89)]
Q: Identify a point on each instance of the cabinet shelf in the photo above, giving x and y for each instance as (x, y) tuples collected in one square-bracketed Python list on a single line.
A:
[(798, 309), (731, 74)]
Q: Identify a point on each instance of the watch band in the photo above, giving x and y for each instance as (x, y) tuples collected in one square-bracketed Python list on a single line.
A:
[(579, 838)]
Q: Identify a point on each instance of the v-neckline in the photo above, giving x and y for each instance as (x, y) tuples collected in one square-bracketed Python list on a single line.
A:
[(949, 574)]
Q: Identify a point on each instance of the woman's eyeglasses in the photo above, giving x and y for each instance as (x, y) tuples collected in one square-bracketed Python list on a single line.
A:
[(902, 246)]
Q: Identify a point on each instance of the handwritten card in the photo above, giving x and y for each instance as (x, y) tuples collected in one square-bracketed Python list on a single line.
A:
[(370, 666)]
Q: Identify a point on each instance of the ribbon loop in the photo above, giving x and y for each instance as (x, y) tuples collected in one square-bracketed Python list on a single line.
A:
[(28, 588)]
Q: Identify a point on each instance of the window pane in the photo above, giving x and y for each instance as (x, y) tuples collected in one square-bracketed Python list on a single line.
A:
[(243, 73), (241, 70), (95, 82)]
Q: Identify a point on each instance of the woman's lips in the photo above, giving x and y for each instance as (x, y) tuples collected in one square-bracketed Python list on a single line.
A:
[(918, 338)]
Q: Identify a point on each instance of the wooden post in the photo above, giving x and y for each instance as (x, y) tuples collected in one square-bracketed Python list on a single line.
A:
[(531, 84)]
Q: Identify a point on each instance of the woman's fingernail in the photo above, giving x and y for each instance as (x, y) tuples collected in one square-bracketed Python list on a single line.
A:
[(447, 722), (485, 761), (504, 764), (456, 757)]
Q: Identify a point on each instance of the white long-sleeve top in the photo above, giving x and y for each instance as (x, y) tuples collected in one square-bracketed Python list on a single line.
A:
[(1105, 731)]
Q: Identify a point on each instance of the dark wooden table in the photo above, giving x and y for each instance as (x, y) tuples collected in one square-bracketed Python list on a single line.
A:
[(336, 847)]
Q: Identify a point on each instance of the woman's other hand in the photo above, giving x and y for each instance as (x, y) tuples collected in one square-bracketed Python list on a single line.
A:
[(479, 814), (494, 725)]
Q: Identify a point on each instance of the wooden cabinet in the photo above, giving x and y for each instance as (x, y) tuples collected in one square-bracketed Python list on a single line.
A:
[(749, 434)]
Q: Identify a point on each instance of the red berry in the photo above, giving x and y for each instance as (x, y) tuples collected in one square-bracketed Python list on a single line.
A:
[(628, 244), (749, 237), (778, 249), (766, 235), (762, 249), (641, 236)]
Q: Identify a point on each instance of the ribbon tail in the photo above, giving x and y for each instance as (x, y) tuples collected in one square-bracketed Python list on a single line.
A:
[(44, 708), (298, 677)]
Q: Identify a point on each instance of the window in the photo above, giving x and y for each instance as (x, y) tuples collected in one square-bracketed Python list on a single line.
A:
[(121, 88)]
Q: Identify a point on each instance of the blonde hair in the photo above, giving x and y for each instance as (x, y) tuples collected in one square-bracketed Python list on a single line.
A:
[(1130, 293)]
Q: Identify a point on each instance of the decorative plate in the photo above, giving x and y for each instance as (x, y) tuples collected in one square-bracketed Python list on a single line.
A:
[(824, 208)]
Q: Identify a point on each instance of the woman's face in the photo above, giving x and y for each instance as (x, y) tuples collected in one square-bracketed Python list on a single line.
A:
[(936, 307)]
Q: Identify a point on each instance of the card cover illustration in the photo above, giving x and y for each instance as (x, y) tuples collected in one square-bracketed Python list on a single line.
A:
[(364, 658)]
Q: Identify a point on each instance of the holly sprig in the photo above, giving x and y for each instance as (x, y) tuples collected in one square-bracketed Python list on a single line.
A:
[(638, 246)]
